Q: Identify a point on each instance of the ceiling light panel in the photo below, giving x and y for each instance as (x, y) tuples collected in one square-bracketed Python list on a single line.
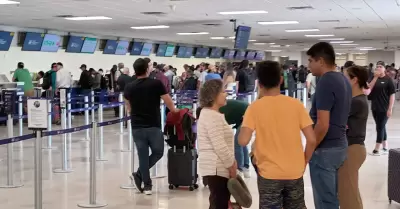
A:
[(88, 18), (348, 44), (331, 39), (341, 42), (252, 40), (243, 12), (278, 22), (324, 35), (4, 2), (193, 33), (302, 30), (217, 38), (150, 27), (259, 43)]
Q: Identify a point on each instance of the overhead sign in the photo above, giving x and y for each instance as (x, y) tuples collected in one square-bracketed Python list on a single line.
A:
[(75, 44), (122, 48), (51, 43), (33, 42), (89, 45), (5, 40)]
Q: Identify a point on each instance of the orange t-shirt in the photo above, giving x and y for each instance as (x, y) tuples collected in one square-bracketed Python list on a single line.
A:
[(278, 148)]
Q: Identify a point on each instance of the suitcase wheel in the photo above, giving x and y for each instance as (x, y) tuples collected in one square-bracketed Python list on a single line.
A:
[(196, 186), (171, 187), (390, 201), (191, 188)]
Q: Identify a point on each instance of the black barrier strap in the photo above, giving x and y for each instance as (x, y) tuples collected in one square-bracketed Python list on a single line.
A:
[(67, 131), (111, 122), (113, 105), (16, 139)]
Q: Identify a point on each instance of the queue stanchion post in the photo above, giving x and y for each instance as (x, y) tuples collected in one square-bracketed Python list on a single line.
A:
[(20, 114), (286, 92), (49, 144), (249, 95), (100, 150), (37, 121), (69, 115), (131, 185), (92, 102), (86, 105), (121, 112), (64, 153), (92, 183), (305, 97), (9, 99)]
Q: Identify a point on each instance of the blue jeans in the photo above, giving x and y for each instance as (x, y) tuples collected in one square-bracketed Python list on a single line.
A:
[(324, 166), (146, 138), (241, 153)]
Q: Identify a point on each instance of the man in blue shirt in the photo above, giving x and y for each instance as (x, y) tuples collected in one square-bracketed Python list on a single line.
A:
[(330, 110)]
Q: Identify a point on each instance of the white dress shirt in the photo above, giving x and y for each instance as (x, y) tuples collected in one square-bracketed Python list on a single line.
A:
[(63, 78)]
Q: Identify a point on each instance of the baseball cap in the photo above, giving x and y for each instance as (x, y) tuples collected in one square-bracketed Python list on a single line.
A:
[(83, 66)]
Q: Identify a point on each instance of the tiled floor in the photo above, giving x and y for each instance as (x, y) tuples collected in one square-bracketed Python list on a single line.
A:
[(65, 191)]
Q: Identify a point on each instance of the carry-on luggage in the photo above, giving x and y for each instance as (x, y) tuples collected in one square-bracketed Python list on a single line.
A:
[(182, 168), (394, 175)]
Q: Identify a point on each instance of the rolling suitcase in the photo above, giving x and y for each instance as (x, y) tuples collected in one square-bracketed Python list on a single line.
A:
[(394, 175), (182, 168)]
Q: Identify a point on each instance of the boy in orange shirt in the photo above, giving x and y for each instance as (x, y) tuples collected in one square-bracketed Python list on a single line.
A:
[(278, 149)]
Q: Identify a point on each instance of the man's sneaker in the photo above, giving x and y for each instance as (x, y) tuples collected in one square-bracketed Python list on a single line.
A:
[(137, 179), (376, 153), (246, 173), (147, 191), (385, 151), (240, 173)]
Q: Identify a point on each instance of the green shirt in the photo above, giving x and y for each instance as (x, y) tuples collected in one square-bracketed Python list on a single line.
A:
[(23, 75), (53, 79), (234, 111)]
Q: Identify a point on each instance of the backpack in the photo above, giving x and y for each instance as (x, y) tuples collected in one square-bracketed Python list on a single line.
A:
[(179, 129), (190, 84), (47, 80), (251, 80), (103, 83), (302, 75)]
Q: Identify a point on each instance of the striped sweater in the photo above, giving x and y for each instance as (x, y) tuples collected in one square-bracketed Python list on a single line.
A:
[(215, 144)]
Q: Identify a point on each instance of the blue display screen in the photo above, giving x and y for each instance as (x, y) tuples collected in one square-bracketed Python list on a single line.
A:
[(110, 47), (189, 52), (260, 56), (75, 44), (169, 52), (5, 40), (146, 50), (122, 48), (136, 48), (250, 55), (240, 55), (202, 52), (242, 37), (51, 43), (89, 45), (33, 42), (216, 53), (181, 52), (161, 50)]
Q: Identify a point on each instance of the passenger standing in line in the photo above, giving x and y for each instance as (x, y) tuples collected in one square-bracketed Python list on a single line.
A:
[(311, 83), (85, 80), (382, 93), (96, 79), (22, 74), (278, 149), (203, 74), (229, 77), (121, 66), (212, 73), (146, 121), (197, 72), (330, 110), (242, 80), (215, 144), (63, 77), (348, 190)]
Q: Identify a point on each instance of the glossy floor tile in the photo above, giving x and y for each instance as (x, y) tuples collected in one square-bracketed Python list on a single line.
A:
[(65, 191)]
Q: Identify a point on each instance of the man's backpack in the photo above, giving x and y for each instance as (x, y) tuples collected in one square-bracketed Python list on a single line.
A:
[(251, 80), (179, 129), (103, 82), (302, 75), (47, 80), (190, 84)]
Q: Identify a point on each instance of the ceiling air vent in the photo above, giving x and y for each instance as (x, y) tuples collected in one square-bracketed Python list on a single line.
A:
[(212, 24), (300, 8), (367, 39), (342, 28), (328, 21), (284, 39), (154, 13), (64, 16)]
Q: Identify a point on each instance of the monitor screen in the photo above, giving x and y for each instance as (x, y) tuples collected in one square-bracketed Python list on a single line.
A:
[(216, 53), (5, 40), (250, 55), (51, 43), (122, 48), (189, 52), (181, 52), (33, 42), (229, 54), (240, 55), (202, 52), (161, 50), (75, 44), (89, 45), (169, 52), (242, 37), (260, 56), (137, 48), (110, 47), (146, 50)]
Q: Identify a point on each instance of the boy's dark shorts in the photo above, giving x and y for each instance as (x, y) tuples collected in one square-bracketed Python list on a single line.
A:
[(277, 194)]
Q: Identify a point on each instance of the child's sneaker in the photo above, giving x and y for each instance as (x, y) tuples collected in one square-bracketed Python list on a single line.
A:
[(246, 173), (385, 151), (375, 153)]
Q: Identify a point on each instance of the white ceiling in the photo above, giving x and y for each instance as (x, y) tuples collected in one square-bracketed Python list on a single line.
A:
[(372, 22)]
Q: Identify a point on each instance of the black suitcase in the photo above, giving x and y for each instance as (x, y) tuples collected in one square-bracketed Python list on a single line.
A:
[(182, 168), (394, 175)]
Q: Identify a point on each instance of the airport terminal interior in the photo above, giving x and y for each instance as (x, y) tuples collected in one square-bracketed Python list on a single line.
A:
[(179, 35)]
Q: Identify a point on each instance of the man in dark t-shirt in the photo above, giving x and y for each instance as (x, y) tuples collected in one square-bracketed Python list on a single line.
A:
[(142, 98), (330, 110)]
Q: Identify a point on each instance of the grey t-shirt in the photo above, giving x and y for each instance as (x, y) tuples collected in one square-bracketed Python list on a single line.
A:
[(333, 94), (357, 122)]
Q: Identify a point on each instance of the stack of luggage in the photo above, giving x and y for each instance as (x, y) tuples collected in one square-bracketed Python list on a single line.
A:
[(394, 175)]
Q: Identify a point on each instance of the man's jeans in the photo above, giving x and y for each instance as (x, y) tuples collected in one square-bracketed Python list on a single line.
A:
[(241, 153), (145, 138), (324, 166)]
